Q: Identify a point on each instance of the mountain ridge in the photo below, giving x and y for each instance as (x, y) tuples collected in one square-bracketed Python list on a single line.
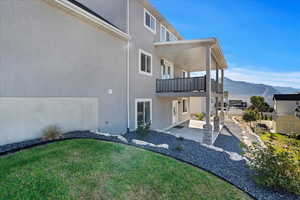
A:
[(244, 90)]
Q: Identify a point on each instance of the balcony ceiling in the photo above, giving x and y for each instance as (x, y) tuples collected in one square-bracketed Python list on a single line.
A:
[(191, 54)]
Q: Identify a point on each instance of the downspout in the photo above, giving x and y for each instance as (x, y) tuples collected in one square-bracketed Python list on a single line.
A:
[(128, 70)]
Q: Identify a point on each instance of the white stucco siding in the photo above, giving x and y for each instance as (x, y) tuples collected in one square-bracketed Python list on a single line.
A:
[(198, 105), (25, 118), (46, 51), (285, 107)]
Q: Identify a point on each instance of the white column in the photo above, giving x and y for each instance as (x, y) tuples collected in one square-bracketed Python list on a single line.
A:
[(217, 91), (222, 97), (216, 118), (208, 125)]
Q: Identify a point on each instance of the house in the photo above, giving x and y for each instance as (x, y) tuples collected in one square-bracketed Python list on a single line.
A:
[(98, 64), (238, 104), (287, 111)]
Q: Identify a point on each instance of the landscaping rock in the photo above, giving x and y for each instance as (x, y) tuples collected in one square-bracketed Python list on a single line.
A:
[(143, 143)]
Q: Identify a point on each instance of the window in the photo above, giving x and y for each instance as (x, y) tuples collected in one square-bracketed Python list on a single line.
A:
[(163, 33), (145, 64), (149, 21), (184, 106), (143, 111), (184, 74), (166, 35), (167, 69)]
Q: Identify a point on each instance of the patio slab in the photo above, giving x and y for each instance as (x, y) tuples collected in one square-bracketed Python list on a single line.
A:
[(190, 130)]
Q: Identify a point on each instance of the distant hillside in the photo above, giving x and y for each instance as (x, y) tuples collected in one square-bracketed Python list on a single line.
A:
[(286, 90), (244, 90)]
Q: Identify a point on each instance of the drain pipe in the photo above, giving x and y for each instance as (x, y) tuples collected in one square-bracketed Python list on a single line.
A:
[(128, 70)]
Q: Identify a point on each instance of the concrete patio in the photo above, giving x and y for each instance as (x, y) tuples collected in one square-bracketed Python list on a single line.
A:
[(190, 130)]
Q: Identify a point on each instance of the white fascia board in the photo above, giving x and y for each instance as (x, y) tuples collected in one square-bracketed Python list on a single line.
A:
[(100, 22), (200, 41)]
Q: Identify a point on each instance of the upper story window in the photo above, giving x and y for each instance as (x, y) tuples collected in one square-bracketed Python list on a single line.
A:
[(149, 21), (166, 35), (145, 63)]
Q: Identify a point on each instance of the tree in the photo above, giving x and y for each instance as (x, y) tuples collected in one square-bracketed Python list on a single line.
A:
[(259, 106), (258, 103), (250, 116)]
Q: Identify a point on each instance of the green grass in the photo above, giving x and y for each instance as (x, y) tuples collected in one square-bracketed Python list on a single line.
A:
[(89, 169)]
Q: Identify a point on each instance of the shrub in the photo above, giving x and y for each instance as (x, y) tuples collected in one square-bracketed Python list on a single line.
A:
[(52, 133), (179, 147), (180, 138), (271, 118), (199, 116), (143, 127), (277, 170), (250, 116)]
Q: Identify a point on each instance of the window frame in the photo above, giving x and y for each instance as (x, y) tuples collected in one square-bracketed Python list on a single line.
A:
[(141, 51), (142, 100), (187, 107), (161, 34), (186, 74), (171, 35), (155, 21)]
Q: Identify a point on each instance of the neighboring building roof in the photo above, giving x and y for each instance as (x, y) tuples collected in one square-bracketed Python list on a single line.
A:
[(286, 97)]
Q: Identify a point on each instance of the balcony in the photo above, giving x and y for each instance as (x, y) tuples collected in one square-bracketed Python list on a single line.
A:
[(183, 87)]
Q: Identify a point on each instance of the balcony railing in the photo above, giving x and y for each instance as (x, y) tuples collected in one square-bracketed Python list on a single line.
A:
[(195, 84)]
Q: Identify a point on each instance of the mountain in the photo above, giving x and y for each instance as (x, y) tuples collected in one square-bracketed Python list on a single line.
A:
[(244, 90), (286, 90)]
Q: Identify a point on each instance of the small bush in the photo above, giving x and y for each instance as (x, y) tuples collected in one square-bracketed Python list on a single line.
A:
[(179, 148), (199, 116), (180, 138), (277, 170), (52, 133), (143, 127)]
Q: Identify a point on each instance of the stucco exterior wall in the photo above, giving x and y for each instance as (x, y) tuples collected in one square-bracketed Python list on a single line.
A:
[(26, 118), (115, 11), (47, 52), (287, 124), (143, 86), (198, 105), (285, 107)]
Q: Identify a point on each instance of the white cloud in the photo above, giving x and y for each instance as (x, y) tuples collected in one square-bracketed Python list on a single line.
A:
[(287, 79), (255, 74)]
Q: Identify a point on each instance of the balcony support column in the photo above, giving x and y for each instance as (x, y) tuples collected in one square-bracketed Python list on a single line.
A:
[(222, 115), (208, 129), (216, 118)]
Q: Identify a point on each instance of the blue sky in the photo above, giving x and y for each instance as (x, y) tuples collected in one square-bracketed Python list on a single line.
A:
[(260, 38)]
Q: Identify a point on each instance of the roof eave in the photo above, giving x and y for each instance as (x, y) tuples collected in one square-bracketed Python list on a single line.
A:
[(96, 20), (213, 42)]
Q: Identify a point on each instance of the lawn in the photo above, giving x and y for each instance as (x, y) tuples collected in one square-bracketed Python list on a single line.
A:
[(90, 169)]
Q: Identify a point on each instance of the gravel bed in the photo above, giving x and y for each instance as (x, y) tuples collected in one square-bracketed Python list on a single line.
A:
[(223, 159), (216, 160)]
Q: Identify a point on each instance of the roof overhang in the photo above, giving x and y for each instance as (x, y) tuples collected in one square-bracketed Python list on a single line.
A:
[(70, 6), (192, 54)]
